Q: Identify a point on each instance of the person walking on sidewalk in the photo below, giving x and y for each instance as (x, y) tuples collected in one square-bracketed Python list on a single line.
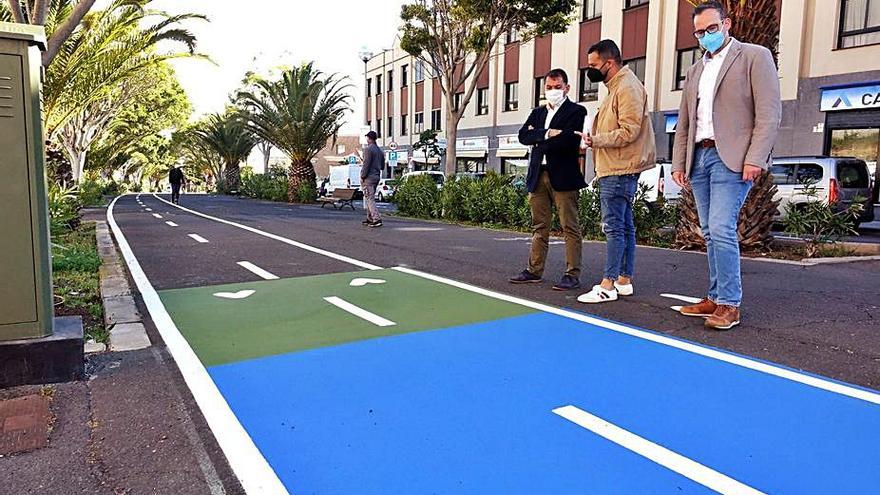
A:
[(177, 179), (727, 125), (554, 177), (371, 172), (622, 139)]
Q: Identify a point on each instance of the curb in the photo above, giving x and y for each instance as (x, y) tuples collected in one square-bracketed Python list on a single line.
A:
[(121, 316)]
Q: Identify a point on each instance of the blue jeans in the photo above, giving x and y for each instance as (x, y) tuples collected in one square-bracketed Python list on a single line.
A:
[(616, 195), (720, 193)]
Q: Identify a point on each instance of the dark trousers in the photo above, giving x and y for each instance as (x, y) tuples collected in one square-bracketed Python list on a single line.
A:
[(175, 193)]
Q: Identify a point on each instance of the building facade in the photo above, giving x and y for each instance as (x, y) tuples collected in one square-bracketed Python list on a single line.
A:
[(829, 72)]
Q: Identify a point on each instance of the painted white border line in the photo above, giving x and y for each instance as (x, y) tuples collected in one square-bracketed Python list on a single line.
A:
[(359, 312), (198, 238), (171, 224), (661, 455), (247, 265), (246, 460), (812, 381), (285, 240)]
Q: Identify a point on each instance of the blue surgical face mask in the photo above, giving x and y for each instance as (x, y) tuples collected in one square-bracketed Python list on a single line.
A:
[(711, 42)]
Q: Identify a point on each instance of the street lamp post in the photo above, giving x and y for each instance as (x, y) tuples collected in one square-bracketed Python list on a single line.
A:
[(365, 55)]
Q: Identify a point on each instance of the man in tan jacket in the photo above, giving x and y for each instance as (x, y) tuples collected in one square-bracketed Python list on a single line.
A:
[(727, 125), (622, 139)]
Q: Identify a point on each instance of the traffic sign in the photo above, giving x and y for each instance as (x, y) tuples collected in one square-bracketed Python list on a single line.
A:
[(352, 160)]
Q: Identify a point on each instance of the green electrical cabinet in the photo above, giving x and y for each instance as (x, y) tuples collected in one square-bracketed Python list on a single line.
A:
[(26, 306)]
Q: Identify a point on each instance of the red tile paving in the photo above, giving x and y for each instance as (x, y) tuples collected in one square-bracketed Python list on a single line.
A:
[(24, 424)]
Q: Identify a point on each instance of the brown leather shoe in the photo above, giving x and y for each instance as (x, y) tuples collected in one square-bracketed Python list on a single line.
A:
[(724, 318), (702, 309)]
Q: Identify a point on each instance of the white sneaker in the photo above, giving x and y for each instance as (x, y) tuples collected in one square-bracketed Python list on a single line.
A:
[(624, 290), (598, 295)]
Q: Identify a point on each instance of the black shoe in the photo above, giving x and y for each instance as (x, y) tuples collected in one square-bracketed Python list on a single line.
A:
[(526, 277), (377, 223), (367, 223), (568, 283)]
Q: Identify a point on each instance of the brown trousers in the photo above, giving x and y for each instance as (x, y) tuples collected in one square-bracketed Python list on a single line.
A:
[(541, 203)]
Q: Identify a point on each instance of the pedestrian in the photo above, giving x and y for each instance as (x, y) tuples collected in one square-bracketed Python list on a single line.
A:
[(371, 172), (554, 178), (622, 139), (727, 125), (177, 179)]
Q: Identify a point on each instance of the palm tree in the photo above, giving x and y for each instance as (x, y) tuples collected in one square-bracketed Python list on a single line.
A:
[(297, 114), (228, 136), (757, 22)]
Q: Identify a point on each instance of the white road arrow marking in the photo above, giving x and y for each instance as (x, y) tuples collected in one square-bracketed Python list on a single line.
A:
[(360, 282), (242, 294)]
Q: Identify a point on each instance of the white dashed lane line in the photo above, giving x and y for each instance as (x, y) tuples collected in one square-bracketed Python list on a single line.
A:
[(171, 224), (157, 215), (198, 238), (247, 265)]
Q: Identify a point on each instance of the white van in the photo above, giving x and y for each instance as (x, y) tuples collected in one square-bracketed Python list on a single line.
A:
[(437, 176), (344, 177)]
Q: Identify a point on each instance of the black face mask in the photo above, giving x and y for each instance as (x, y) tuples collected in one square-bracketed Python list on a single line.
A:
[(595, 75)]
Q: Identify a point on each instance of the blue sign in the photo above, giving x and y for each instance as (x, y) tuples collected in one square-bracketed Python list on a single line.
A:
[(851, 98), (392, 156), (671, 122), (352, 160)]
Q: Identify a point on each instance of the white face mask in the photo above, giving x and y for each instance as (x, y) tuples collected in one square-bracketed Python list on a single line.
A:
[(555, 97)]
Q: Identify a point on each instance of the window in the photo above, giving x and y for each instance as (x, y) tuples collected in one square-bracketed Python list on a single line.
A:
[(783, 173), (456, 101), (404, 76), (378, 128), (540, 99), (419, 122), (592, 9), (483, 101), (470, 166), (809, 173), (419, 71), (403, 125), (634, 3), (512, 36), (436, 123), (391, 127), (587, 90), (684, 61), (637, 65), (340, 149), (511, 97), (859, 23), (378, 84), (369, 88), (390, 80)]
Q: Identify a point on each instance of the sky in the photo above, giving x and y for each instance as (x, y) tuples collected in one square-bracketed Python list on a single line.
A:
[(275, 32)]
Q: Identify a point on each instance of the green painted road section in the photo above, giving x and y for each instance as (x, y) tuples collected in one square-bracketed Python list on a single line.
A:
[(291, 315)]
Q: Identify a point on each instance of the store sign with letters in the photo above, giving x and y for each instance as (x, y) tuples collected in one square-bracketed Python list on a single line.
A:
[(851, 98)]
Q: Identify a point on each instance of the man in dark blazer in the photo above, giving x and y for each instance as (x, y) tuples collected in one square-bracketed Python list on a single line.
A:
[(554, 178)]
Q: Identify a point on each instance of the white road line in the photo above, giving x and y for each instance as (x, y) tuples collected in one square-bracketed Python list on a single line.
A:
[(661, 455), (285, 240), (770, 369), (687, 299), (810, 380), (198, 238), (148, 209), (249, 465), (359, 312), (171, 224), (247, 265), (157, 215)]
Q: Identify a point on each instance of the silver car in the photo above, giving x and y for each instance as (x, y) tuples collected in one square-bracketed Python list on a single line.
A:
[(838, 180)]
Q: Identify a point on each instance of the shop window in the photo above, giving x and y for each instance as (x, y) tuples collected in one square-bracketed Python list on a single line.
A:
[(587, 90), (859, 23), (470, 166), (684, 61)]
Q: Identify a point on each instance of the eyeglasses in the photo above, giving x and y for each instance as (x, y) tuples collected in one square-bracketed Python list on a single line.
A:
[(714, 28)]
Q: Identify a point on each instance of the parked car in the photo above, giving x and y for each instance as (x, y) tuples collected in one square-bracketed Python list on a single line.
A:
[(438, 177), (385, 190), (838, 180), (344, 177)]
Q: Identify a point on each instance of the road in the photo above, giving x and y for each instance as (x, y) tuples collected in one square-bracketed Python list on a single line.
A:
[(286, 321)]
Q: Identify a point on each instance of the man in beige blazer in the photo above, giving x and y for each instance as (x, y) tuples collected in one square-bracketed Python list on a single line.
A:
[(727, 125)]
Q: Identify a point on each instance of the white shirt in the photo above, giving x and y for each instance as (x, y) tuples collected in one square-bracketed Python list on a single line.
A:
[(550, 113), (706, 93)]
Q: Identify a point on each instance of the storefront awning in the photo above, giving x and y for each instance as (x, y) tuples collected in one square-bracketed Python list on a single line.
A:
[(512, 153), (421, 159), (470, 153)]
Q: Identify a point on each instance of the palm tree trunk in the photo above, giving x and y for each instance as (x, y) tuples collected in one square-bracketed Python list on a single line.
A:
[(233, 178), (300, 178)]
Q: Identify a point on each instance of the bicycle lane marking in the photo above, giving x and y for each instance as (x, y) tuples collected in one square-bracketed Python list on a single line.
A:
[(245, 459)]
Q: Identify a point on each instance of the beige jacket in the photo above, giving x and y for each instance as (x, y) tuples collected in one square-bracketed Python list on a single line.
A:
[(623, 137), (746, 112)]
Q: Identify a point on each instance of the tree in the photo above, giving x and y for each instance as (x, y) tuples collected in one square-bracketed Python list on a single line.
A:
[(59, 17), (298, 114), (229, 137), (456, 39), (427, 143), (753, 21)]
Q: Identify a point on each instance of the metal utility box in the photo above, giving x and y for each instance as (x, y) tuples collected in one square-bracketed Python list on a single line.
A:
[(26, 306)]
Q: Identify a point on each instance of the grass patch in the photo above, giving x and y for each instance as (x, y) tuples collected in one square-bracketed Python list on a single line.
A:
[(77, 285)]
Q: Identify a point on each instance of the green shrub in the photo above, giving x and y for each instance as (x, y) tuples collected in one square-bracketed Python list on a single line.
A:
[(77, 258), (91, 193), (419, 197), (64, 208), (817, 221), (271, 186), (305, 192)]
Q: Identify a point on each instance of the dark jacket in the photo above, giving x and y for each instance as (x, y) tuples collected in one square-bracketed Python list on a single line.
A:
[(562, 151), (175, 176), (374, 162)]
